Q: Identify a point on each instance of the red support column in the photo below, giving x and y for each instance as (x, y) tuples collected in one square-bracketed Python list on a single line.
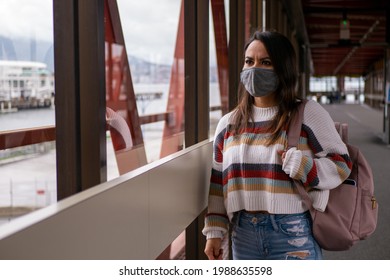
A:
[(221, 45), (173, 135), (248, 13), (120, 96)]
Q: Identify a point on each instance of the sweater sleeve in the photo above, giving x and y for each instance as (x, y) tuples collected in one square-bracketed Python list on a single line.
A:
[(331, 163), (216, 221)]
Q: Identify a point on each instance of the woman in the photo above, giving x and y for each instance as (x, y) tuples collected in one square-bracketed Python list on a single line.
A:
[(251, 176)]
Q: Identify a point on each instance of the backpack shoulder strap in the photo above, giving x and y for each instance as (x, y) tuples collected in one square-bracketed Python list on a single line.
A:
[(342, 129), (293, 133), (294, 129)]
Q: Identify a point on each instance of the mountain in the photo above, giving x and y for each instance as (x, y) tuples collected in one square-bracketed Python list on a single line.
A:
[(28, 50), (142, 71)]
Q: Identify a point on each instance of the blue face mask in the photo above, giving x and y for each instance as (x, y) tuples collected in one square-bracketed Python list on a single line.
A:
[(259, 81)]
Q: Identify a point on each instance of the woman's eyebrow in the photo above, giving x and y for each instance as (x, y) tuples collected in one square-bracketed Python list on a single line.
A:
[(263, 58)]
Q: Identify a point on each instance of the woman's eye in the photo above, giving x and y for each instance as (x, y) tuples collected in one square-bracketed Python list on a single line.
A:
[(248, 61), (266, 62)]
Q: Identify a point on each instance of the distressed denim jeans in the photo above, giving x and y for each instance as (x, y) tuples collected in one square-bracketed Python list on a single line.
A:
[(273, 237)]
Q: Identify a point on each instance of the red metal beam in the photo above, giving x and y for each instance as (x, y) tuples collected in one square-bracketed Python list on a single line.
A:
[(173, 134), (221, 45), (118, 74), (17, 138)]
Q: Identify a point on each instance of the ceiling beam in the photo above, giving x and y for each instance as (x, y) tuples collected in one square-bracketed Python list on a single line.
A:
[(354, 49)]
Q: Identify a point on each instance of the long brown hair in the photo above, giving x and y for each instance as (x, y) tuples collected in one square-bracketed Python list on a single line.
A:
[(283, 58)]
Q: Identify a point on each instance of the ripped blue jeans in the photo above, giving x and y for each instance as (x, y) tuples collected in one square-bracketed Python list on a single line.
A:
[(273, 237)]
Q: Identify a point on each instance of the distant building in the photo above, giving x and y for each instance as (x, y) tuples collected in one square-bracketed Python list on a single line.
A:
[(26, 84)]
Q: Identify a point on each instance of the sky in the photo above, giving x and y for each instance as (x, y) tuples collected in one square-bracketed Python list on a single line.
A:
[(149, 26), (27, 18)]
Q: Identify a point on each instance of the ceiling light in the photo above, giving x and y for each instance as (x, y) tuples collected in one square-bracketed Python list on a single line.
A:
[(344, 28)]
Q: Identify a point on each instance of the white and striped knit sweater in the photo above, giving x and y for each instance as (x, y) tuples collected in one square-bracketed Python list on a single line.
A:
[(248, 175)]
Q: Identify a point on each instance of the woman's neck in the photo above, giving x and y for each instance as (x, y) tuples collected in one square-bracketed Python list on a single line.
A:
[(265, 101)]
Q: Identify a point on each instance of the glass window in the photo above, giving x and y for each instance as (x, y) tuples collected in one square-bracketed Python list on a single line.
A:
[(145, 86), (145, 83), (27, 167), (323, 84)]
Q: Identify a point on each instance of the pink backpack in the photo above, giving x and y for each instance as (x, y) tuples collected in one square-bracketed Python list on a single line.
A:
[(352, 211)]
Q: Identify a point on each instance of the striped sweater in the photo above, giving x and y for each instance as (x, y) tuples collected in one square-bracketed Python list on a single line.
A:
[(247, 174)]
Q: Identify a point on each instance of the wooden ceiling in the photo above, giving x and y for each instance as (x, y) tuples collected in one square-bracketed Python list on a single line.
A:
[(367, 27)]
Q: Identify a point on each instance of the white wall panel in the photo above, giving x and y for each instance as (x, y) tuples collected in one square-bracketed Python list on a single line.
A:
[(178, 193), (135, 216)]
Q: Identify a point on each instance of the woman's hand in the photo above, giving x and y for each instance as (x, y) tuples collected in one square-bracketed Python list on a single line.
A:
[(282, 154), (291, 160), (213, 249)]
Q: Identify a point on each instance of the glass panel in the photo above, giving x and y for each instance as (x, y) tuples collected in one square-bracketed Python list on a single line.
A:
[(145, 81), (321, 88), (154, 55), (27, 158), (323, 84), (354, 89), (27, 180)]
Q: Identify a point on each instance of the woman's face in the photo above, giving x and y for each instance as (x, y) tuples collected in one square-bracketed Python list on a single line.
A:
[(257, 56)]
